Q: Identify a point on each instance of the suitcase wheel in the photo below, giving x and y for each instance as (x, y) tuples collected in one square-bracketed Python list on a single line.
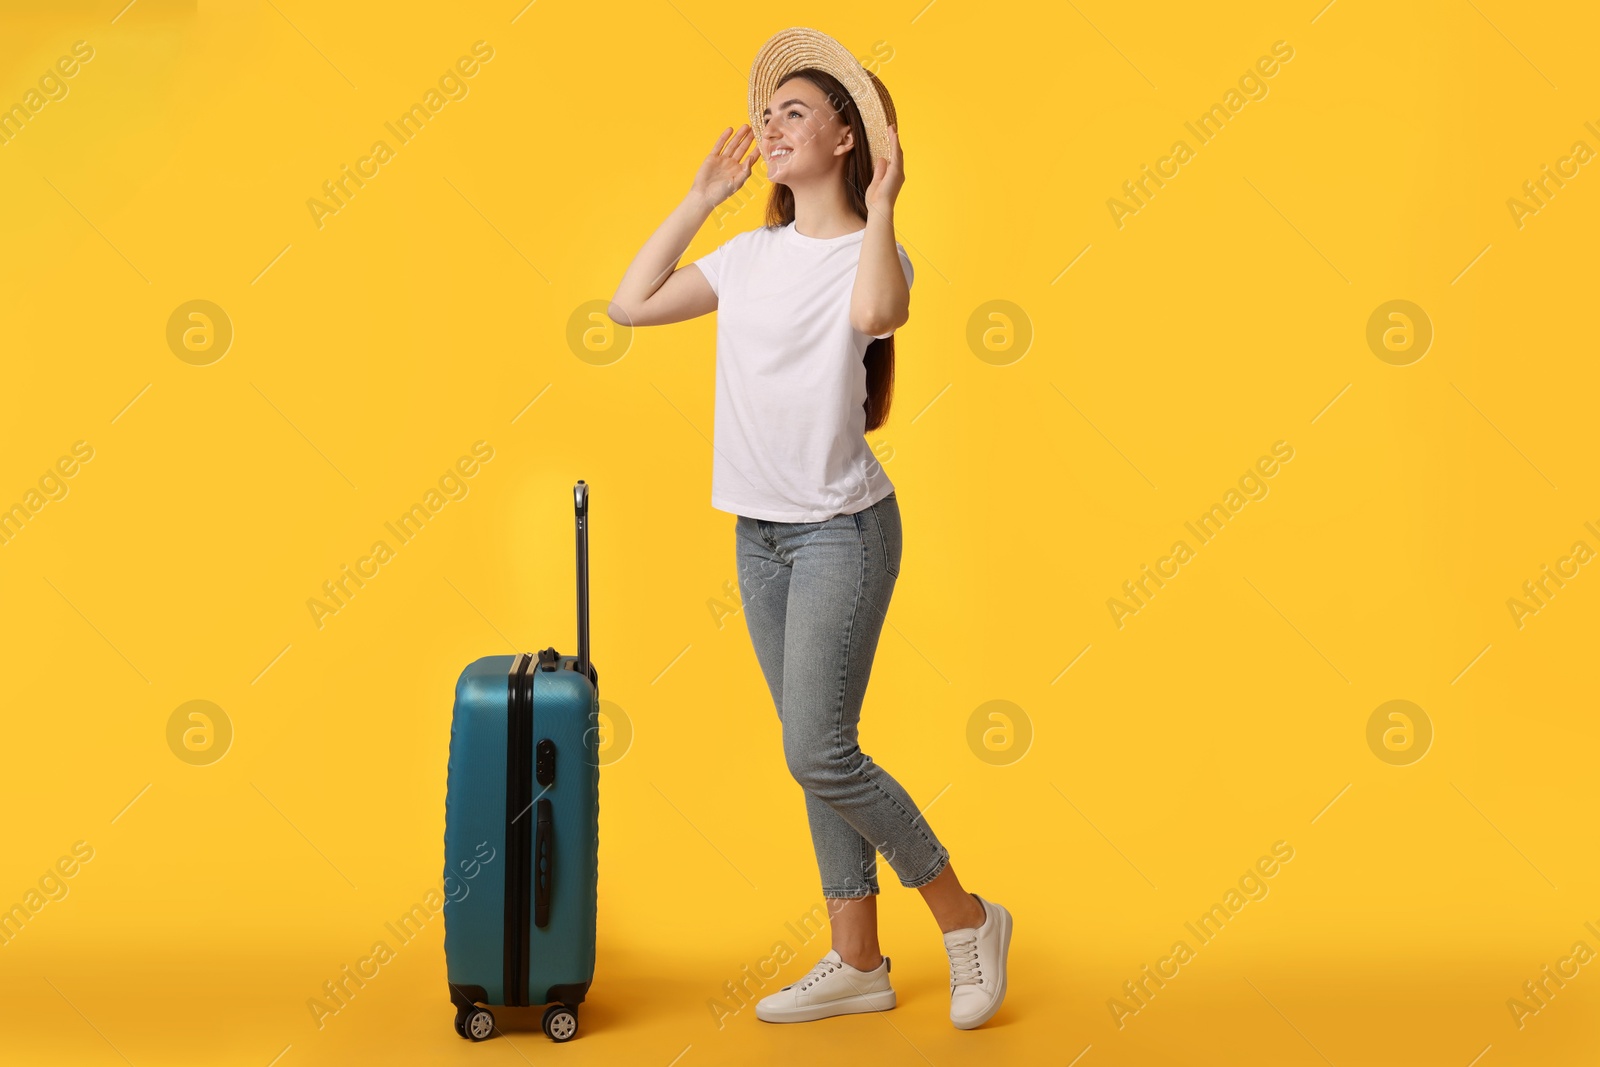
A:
[(560, 1022), (475, 1023)]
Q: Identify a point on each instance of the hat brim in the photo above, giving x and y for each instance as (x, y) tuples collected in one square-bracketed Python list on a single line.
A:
[(799, 47)]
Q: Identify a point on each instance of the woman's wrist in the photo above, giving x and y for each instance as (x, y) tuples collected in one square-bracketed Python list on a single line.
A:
[(698, 203)]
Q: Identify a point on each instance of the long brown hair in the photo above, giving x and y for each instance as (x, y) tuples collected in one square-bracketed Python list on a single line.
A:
[(879, 357)]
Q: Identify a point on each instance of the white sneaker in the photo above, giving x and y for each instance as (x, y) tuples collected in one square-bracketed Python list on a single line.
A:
[(978, 967), (832, 988)]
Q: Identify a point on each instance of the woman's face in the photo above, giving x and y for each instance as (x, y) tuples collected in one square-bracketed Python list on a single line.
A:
[(802, 136)]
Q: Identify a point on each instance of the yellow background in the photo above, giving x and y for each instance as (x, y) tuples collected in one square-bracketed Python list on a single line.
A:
[(1230, 713)]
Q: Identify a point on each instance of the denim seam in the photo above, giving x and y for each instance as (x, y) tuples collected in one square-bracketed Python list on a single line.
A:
[(849, 635), (915, 822), (869, 873), (845, 893), (745, 539)]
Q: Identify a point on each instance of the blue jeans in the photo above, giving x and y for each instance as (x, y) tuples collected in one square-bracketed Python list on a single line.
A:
[(815, 594)]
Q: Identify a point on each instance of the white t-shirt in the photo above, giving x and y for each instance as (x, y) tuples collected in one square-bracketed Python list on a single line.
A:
[(789, 438)]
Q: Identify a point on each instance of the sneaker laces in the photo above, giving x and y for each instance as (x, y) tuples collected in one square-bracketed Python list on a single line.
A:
[(964, 968), (823, 968)]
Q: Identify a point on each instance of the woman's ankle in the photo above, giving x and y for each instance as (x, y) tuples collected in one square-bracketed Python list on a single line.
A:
[(861, 959)]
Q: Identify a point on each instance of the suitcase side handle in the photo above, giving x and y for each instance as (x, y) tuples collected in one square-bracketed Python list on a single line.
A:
[(543, 831), (580, 502)]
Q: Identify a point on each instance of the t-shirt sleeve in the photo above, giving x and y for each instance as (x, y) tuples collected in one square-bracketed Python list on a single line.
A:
[(710, 265), (905, 265)]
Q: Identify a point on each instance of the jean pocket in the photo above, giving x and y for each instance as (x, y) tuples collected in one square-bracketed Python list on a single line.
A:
[(886, 516)]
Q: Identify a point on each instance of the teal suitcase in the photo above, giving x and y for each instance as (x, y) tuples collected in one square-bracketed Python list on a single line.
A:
[(521, 837)]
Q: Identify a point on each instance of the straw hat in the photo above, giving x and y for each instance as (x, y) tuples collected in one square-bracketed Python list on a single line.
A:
[(793, 49)]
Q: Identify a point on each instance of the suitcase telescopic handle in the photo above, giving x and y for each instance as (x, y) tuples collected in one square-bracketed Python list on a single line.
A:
[(580, 501)]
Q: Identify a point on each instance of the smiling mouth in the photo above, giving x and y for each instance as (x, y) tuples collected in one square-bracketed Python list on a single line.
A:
[(780, 153)]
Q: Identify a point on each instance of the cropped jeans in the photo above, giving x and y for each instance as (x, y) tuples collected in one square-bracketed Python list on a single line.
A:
[(815, 594)]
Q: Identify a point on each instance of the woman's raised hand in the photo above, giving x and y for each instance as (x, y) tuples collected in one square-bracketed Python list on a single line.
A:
[(888, 175), (726, 168)]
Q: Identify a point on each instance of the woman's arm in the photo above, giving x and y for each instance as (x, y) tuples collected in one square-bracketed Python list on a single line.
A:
[(655, 290), (881, 299)]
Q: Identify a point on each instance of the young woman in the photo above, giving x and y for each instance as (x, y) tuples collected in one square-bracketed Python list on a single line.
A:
[(807, 308)]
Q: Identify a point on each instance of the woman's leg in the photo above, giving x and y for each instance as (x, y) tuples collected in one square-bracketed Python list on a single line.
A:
[(953, 907), (842, 575), (846, 861), (853, 922)]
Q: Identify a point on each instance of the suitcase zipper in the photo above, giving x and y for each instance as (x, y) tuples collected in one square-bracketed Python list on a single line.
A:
[(519, 827), (521, 843)]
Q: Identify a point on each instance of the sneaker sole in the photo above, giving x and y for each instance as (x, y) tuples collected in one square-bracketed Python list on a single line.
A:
[(860, 1002), (999, 998)]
